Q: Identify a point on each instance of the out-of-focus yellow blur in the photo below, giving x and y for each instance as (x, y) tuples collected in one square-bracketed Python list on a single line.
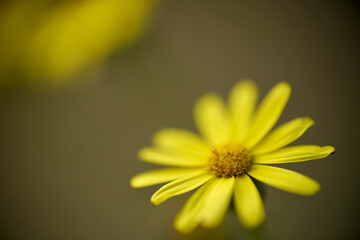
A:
[(51, 41)]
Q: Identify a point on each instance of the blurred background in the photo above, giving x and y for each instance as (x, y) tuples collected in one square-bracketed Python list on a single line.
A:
[(85, 84)]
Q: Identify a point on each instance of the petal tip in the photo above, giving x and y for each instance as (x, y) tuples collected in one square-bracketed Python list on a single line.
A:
[(315, 190), (253, 226), (253, 223), (133, 182), (181, 228), (284, 85), (309, 121), (329, 150), (246, 81), (142, 153), (284, 88), (156, 139), (155, 200)]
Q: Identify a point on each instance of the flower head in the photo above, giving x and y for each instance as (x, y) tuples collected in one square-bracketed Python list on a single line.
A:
[(235, 143)]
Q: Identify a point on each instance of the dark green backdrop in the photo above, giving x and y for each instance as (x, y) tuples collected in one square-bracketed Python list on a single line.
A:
[(66, 155)]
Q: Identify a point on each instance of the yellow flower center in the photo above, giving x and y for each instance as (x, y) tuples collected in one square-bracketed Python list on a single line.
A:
[(229, 160)]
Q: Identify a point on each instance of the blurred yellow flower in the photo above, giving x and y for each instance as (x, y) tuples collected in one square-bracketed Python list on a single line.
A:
[(235, 143), (52, 40)]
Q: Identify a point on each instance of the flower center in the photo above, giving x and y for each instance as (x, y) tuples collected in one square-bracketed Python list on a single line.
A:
[(229, 160)]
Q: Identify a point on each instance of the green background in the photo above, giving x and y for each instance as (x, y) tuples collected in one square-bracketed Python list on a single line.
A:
[(67, 154)]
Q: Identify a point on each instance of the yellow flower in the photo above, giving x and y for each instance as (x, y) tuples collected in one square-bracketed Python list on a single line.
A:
[(53, 41), (235, 144)]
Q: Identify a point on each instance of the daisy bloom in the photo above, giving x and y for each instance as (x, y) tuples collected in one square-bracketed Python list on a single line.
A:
[(234, 146)]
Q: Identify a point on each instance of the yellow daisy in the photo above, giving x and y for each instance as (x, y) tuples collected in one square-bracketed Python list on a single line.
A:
[(235, 145)]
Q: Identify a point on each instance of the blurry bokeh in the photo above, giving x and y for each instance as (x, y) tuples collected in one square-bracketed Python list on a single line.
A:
[(52, 40), (124, 69)]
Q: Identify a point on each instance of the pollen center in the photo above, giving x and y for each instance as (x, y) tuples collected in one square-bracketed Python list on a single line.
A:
[(229, 160)]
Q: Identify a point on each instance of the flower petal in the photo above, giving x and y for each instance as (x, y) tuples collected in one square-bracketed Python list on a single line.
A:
[(211, 119), (268, 113), (242, 102), (294, 154), (217, 201), (180, 186), (283, 135), (284, 179), (181, 140), (248, 203), (169, 158), (191, 214), (160, 176)]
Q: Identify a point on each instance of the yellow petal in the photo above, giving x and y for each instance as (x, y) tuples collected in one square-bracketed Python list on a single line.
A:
[(217, 201), (180, 186), (242, 102), (191, 214), (170, 158), (268, 113), (160, 176), (181, 140), (283, 135), (211, 119), (248, 203), (294, 154), (284, 179)]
